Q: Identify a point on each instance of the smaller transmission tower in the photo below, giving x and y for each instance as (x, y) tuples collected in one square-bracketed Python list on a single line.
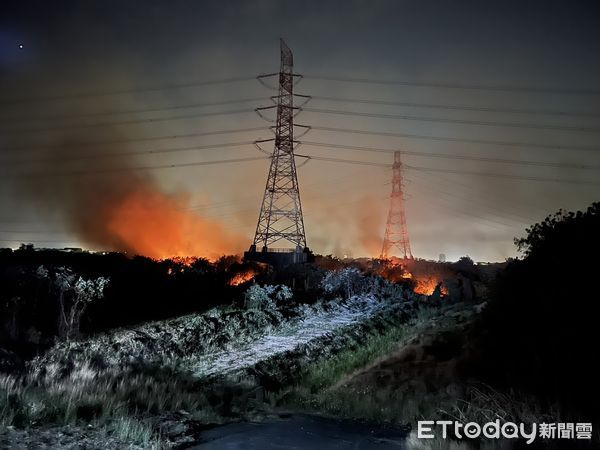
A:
[(396, 232)]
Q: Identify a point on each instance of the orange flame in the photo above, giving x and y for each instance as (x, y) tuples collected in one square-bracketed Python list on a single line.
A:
[(242, 277), (426, 285), (150, 223), (184, 260)]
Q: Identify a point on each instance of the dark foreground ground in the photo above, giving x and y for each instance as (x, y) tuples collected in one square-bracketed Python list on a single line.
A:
[(302, 432)]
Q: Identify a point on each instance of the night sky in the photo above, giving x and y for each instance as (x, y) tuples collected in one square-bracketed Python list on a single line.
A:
[(76, 73)]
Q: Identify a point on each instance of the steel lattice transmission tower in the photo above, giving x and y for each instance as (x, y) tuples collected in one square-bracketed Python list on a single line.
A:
[(280, 219), (396, 231)]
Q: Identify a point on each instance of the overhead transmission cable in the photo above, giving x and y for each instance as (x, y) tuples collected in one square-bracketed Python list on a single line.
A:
[(453, 184), (91, 94), (453, 171), (116, 112), (503, 175), (127, 122), (454, 121), (463, 86), (80, 157), (453, 156), (322, 77), (84, 144), (445, 106), (7, 176), (430, 181), (455, 139)]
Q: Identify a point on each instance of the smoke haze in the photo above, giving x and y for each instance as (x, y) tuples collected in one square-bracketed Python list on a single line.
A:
[(81, 63)]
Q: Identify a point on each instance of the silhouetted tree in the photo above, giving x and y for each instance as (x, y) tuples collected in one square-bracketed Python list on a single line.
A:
[(541, 326)]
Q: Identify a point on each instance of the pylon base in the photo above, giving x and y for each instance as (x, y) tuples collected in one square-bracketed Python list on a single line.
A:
[(279, 258)]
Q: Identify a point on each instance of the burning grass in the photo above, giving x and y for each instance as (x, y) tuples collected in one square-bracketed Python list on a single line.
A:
[(243, 277), (424, 277)]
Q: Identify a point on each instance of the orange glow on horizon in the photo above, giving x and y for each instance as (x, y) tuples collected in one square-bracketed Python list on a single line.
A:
[(150, 223)]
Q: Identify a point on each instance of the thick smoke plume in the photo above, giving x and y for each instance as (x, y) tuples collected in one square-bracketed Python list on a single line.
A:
[(109, 202)]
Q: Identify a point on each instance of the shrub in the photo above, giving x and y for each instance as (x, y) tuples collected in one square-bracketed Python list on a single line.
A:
[(74, 294), (266, 297), (347, 282)]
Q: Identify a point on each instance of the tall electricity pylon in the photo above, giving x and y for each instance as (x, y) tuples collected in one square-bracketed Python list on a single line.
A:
[(396, 232), (280, 217)]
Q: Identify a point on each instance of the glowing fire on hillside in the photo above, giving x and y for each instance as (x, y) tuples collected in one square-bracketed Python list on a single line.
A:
[(184, 260), (242, 277), (425, 284)]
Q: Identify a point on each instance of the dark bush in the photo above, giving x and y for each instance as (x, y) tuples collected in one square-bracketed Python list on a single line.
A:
[(541, 326)]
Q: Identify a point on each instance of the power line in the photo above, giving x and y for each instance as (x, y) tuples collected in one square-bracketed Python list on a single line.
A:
[(544, 112), (130, 111), (459, 157), (79, 145), (471, 86), (427, 182), (200, 83), (346, 161), (452, 210), (481, 193), (202, 207), (126, 153), (78, 95), (455, 139), (453, 121), (127, 122), (502, 175), (462, 172), (7, 176), (325, 98)]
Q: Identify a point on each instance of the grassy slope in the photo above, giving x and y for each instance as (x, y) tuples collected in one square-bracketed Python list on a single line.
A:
[(410, 371), (323, 385), (136, 384)]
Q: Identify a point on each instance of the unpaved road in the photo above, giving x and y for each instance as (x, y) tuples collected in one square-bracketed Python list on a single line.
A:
[(287, 337), (301, 432)]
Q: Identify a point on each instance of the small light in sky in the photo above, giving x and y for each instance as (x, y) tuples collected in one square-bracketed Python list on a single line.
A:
[(20, 46)]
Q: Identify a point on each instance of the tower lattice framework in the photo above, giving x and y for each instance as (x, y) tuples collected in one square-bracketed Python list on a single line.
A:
[(280, 217), (396, 231)]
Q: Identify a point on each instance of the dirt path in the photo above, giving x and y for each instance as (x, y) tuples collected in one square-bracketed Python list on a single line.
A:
[(287, 337), (301, 432)]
